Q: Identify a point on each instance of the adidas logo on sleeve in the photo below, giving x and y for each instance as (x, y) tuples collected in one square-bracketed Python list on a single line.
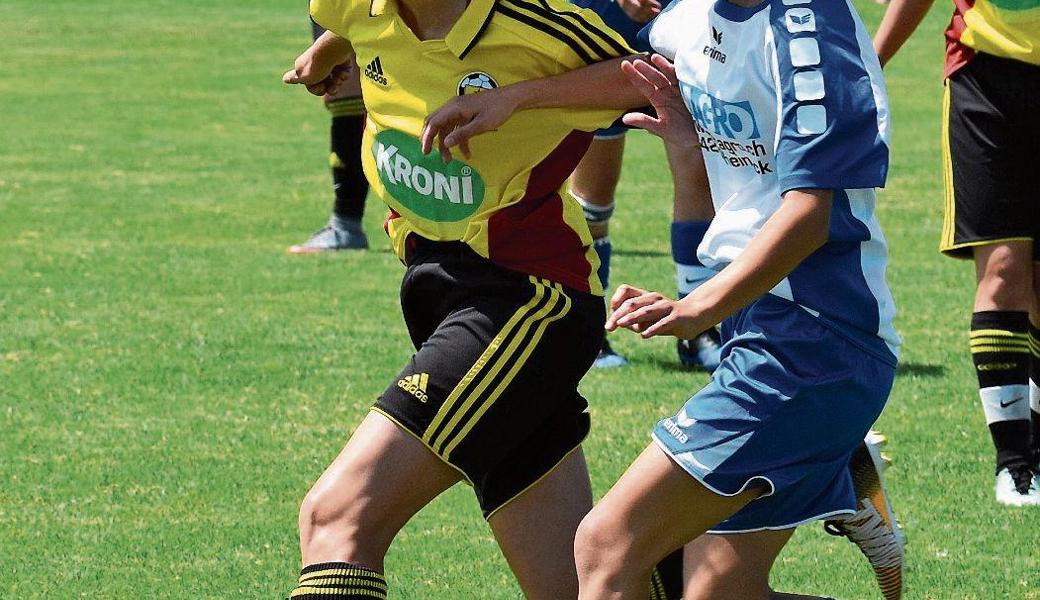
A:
[(374, 71)]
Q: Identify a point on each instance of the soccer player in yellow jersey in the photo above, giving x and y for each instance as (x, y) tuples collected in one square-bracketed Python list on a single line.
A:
[(990, 130), (500, 295)]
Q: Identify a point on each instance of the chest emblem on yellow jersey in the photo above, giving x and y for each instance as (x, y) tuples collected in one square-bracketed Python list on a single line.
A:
[(478, 81), (423, 183)]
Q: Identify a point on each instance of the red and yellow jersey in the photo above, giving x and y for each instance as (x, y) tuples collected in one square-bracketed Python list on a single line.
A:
[(506, 201), (1005, 28)]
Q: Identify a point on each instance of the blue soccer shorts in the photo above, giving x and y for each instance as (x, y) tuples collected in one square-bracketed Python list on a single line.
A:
[(790, 402)]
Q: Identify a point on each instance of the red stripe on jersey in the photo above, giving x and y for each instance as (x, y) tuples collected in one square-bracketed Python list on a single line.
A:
[(957, 54), (531, 236)]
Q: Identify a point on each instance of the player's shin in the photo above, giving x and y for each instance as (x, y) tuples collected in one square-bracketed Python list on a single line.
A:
[(348, 179), (1000, 349), (705, 350), (339, 580), (690, 272)]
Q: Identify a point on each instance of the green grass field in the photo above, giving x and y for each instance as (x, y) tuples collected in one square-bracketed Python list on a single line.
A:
[(171, 382)]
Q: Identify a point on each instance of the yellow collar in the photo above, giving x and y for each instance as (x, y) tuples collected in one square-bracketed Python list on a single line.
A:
[(464, 34)]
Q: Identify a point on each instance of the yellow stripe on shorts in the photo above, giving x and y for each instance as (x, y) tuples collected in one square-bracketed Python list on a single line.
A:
[(503, 337), (543, 322)]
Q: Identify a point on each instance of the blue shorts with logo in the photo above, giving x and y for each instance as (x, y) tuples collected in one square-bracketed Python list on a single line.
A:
[(616, 19), (790, 402)]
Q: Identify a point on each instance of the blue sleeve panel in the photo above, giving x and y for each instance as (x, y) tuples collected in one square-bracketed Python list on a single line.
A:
[(830, 135)]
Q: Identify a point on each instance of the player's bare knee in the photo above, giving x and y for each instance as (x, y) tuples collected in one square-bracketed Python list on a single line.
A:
[(597, 213), (349, 522), (601, 547), (1005, 279)]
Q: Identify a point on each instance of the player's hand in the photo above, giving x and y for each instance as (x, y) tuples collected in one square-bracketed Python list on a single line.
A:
[(656, 80), (650, 314), (319, 79), (640, 11), (463, 118)]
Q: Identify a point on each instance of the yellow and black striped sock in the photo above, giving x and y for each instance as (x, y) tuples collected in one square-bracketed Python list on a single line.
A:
[(666, 582), (1001, 351), (1034, 391), (338, 581), (348, 178)]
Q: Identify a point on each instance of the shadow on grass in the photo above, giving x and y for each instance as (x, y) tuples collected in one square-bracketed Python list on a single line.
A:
[(670, 364), (919, 370), (642, 253)]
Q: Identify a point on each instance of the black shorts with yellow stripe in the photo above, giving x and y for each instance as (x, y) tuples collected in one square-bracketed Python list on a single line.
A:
[(493, 386), (991, 133)]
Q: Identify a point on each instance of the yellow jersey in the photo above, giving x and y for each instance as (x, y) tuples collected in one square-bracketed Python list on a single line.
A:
[(505, 202), (1005, 28)]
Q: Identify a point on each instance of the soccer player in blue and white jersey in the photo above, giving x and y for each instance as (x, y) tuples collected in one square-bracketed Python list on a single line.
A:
[(594, 185), (790, 113)]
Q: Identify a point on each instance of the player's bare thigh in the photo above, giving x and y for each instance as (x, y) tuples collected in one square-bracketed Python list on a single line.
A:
[(536, 530), (380, 479)]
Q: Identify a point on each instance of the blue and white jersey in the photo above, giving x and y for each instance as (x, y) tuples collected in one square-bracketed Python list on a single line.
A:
[(789, 94)]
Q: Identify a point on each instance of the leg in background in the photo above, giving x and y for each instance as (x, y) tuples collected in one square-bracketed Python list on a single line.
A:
[(536, 530), (349, 185), (593, 185), (692, 212), (1001, 352), (1034, 368), (735, 567)]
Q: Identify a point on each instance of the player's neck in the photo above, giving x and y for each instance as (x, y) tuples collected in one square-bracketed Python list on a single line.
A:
[(746, 3), (431, 19)]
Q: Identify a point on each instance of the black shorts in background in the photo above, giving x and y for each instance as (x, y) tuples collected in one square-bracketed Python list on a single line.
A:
[(493, 386), (991, 155)]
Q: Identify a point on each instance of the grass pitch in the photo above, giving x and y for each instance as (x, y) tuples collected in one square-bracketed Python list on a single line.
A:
[(171, 382)]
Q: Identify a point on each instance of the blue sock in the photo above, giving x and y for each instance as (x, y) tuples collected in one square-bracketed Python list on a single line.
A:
[(690, 272), (603, 249)]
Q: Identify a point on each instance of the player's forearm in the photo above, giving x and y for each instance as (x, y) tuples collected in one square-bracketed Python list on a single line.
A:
[(899, 23), (329, 50), (798, 228), (599, 86)]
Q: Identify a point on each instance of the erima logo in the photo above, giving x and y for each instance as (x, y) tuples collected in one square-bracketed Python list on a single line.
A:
[(374, 71), (711, 51), (675, 432), (801, 20), (415, 385)]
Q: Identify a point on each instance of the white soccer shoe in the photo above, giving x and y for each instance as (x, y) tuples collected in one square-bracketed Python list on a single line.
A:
[(873, 528), (1017, 486), (608, 359)]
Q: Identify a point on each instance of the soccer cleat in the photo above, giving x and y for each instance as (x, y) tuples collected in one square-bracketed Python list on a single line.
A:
[(873, 527), (1018, 486), (703, 351), (330, 239), (608, 359)]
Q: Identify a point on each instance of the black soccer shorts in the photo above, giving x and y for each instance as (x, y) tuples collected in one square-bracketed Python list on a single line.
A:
[(493, 386), (991, 155)]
